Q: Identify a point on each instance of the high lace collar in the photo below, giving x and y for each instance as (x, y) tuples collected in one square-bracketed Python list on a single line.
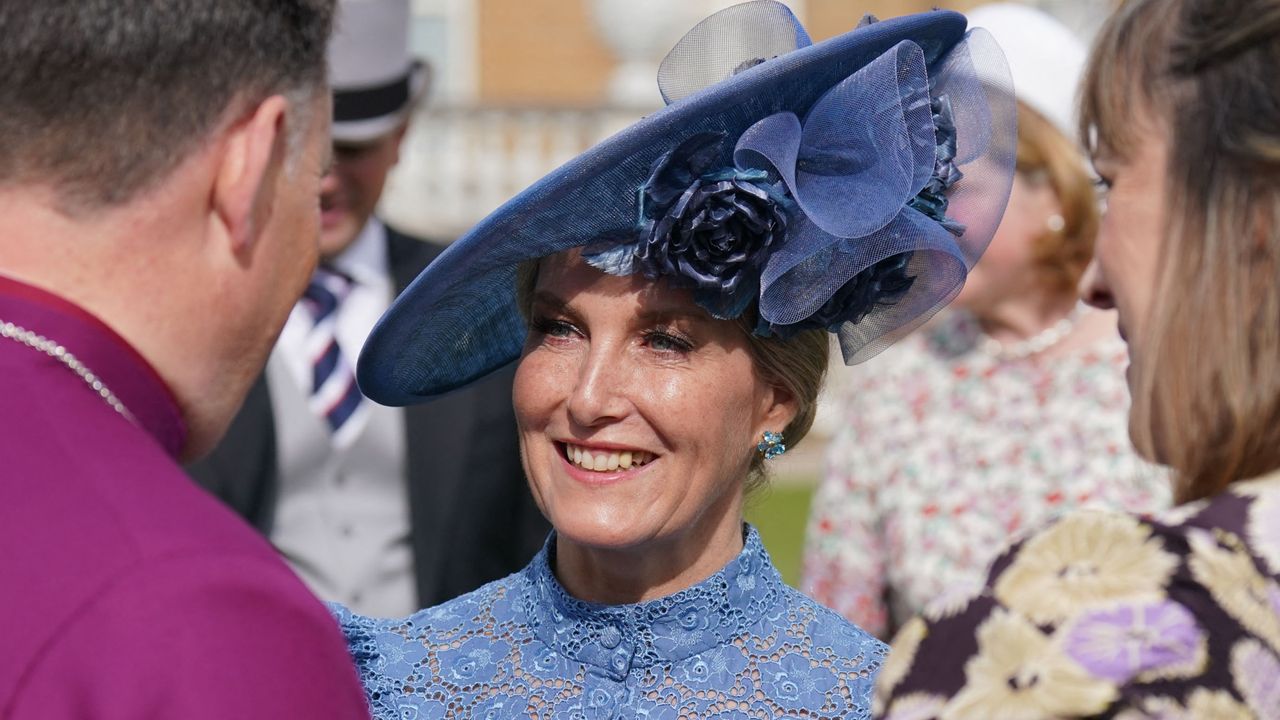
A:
[(616, 638)]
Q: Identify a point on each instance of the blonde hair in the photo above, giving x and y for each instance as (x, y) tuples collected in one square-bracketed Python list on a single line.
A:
[(1207, 397), (797, 365), (1046, 156)]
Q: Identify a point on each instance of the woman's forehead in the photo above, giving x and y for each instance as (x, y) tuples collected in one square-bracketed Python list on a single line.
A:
[(565, 277)]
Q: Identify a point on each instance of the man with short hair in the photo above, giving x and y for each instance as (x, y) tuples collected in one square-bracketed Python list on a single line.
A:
[(160, 164), (383, 509)]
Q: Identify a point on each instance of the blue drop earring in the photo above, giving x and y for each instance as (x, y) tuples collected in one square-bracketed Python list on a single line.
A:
[(771, 447)]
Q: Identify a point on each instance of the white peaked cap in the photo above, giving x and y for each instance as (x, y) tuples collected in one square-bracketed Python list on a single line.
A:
[(1045, 58), (375, 79)]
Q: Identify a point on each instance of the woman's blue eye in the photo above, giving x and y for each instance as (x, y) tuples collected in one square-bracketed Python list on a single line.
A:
[(553, 328), (666, 342)]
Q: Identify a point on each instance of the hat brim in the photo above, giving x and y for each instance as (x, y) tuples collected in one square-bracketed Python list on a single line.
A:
[(459, 320), (358, 132)]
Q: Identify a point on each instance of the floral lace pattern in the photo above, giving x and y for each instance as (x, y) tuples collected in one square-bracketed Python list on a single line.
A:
[(1110, 615), (740, 644), (944, 455)]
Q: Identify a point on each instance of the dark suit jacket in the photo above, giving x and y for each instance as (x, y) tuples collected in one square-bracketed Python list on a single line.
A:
[(472, 515)]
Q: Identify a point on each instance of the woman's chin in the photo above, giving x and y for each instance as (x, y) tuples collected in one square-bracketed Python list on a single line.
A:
[(612, 531)]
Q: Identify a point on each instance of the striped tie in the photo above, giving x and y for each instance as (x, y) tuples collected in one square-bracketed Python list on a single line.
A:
[(334, 393)]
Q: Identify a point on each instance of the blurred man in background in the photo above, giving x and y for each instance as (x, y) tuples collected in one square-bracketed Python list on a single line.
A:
[(160, 163), (383, 509)]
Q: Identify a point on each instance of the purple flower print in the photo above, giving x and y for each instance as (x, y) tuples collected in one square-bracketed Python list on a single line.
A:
[(1119, 643)]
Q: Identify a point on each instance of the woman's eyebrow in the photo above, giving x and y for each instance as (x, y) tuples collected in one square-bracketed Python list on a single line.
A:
[(549, 299), (673, 313)]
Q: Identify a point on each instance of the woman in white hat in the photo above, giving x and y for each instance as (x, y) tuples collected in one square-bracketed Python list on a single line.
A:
[(1016, 405)]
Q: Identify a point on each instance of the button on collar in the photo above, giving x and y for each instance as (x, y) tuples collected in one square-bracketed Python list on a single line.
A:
[(610, 636)]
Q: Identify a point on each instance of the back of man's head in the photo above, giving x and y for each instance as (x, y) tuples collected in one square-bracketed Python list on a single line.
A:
[(100, 99)]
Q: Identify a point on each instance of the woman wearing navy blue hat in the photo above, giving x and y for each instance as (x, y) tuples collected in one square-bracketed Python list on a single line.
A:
[(668, 295)]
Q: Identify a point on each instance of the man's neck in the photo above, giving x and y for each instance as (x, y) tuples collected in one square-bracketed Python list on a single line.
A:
[(126, 265)]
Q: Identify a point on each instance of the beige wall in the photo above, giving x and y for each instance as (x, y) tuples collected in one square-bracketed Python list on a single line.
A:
[(540, 52), (546, 53), (827, 18)]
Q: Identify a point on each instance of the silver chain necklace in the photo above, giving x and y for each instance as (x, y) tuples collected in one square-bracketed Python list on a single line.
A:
[(1035, 344), (57, 352)]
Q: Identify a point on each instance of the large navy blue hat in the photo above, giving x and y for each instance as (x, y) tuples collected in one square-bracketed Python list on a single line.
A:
[(848, 185)]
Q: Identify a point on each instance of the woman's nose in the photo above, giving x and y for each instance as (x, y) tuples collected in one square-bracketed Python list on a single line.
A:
[(1093, 287), (600, 393)]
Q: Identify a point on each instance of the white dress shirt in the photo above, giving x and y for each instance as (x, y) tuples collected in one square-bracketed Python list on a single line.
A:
[(342, 517)]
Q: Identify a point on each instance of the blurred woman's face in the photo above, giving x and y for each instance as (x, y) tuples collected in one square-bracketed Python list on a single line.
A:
[(1008, 267), (638, 412), (1123, 273)]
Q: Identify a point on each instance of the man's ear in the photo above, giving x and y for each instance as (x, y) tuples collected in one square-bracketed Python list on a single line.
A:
[(252, 158), (398, 135)]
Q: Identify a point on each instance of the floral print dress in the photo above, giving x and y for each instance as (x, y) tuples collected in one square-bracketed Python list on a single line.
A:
[(943, 455), (1107, 615), (738, 645)]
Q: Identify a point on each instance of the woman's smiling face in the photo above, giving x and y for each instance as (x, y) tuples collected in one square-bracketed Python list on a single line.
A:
[(638, 412)]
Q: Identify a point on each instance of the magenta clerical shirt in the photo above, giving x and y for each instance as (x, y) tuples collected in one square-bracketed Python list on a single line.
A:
[(126, 592)]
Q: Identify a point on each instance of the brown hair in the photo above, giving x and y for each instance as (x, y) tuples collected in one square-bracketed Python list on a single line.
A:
[(1207, 397), (1047, 156), (100, 99), (797, 364)]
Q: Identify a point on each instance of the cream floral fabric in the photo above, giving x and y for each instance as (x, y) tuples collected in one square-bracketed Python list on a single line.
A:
[(1111, 616), (943, 455)]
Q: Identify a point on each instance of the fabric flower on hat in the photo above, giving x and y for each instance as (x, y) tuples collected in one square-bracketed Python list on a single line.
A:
[(816, 220), (707, 228)]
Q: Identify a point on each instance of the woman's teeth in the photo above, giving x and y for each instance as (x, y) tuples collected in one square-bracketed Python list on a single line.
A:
[(605, 460)]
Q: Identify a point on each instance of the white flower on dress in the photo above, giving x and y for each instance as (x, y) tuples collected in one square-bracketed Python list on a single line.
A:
[(1233, 580), (1201, 705), (916, 706), (1257, 674), (1019, 672), (953, 600), (1180, 514), (1088, 558), (1264, 529), (901, 655), (1256, 487)]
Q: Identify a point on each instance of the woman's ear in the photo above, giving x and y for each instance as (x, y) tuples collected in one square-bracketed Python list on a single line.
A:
[(252, 156), (780, 407)]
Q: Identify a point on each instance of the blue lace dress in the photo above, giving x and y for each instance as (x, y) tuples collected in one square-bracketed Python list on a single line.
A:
[(740, 644)]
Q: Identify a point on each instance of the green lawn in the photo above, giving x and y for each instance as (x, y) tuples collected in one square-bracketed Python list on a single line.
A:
[(779, 512)]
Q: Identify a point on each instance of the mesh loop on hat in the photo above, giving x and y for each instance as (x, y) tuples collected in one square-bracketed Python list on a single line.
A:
[(730, 41)]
